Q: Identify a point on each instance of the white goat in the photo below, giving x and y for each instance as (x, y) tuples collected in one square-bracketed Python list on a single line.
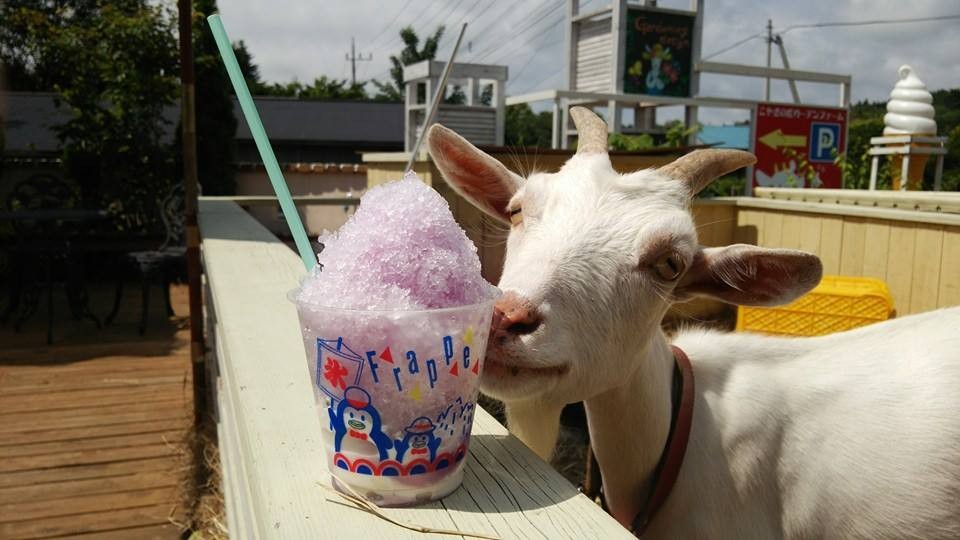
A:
[(854, 435)]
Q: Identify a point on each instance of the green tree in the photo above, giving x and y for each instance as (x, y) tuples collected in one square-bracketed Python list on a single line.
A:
[(216, 123), (113, 65), (327, 89), (251, 73), (524, 128), (323, 88), (411, 54)]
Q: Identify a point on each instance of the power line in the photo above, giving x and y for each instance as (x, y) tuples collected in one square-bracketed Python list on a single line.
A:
[(498, 39), (830, 24), (867, 23), (390, 24), (495, 19), (541, 81), (503, 42), (548, 27), (532, 56), (438, 15), (732, 46), (465, 18)]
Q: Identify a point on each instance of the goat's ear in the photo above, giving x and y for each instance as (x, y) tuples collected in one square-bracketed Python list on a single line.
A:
[(752, 276), (476, 176)]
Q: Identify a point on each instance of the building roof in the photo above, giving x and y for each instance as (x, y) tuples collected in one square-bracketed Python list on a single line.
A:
[(344, 122), (28, 120), (726, 136), (30, 117)]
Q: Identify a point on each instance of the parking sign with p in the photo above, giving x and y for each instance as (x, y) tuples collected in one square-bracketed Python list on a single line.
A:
[(824, 141)]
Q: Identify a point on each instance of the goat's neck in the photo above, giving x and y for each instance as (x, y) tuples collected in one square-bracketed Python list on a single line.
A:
[(629, 425)]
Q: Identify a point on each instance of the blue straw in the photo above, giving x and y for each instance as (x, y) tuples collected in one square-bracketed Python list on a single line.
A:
[(263, 144)]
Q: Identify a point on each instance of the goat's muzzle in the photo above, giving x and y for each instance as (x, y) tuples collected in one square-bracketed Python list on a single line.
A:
[(514, 316)]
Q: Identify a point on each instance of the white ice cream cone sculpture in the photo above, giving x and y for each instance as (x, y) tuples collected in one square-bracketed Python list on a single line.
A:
[(909, 112)]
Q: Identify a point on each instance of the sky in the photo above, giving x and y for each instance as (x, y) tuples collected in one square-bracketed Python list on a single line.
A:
[(305, 39)]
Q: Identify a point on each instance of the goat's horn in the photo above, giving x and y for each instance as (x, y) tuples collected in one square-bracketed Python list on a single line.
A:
[(700, 167), (591, 131)]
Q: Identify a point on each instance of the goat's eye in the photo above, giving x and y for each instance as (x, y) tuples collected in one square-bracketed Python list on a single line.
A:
[(516, 216), (669, 266)]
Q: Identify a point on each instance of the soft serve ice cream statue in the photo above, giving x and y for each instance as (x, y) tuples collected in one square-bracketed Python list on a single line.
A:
[(909, 112)]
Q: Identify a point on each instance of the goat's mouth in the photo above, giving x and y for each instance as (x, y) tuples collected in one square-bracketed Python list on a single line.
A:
[(503, 370)]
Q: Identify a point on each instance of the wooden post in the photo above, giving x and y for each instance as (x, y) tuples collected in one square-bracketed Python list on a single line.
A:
[(191, 190)]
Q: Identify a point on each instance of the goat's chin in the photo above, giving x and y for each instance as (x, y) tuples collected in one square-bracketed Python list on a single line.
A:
[(509, 377)]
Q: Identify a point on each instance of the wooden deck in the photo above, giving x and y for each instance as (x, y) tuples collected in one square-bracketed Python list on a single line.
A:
[(92, 428)]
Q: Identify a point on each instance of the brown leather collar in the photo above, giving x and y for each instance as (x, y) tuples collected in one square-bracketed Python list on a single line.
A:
[(665, 475)]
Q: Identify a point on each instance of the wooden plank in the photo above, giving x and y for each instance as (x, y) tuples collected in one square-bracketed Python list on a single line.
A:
[(790, 232), (876, 241), (56, 400), (703, 218), (35, 510), (831, 242), (716, 223), (90, 523), (98, 416), (949, 294), (51, 378), (925, 284), (893, 214), (144, 348), (83, 472), (900, 265), (168, 531), (90, 432), (40, 414), (96, 443), (51, 360), (89, 457), (725, 224), (124, 382), (907, 200), (853, 244), (810, 233), (771, 229), (748, 227), (90, 486)]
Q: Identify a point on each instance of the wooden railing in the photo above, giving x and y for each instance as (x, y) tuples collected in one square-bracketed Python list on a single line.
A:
[(269, 428), (916, 252)]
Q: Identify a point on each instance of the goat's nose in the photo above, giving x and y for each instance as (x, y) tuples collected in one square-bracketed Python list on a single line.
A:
[(515, 315)]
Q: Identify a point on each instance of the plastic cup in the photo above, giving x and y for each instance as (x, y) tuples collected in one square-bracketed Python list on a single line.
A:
[(396, 392)]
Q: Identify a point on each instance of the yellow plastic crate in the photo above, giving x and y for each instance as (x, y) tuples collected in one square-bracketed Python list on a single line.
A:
[(838, 303)]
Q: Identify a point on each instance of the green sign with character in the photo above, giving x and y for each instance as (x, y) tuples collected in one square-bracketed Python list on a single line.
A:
[(658, 54)]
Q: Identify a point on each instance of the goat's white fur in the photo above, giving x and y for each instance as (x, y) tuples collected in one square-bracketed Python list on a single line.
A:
[(854, 435)]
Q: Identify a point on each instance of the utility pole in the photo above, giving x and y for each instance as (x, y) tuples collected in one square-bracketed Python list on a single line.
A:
[(778, 39), (766, 93), (353, 58)]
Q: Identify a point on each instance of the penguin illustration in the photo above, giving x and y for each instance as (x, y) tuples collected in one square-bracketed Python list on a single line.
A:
[(419, 440), (356, 417)]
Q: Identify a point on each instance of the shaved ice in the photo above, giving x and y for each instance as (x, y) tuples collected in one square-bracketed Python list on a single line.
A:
[(402, 249), (395, 321)]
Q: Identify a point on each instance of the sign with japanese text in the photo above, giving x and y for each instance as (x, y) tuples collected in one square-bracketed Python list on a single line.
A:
[(796, 146), (657, 58)]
